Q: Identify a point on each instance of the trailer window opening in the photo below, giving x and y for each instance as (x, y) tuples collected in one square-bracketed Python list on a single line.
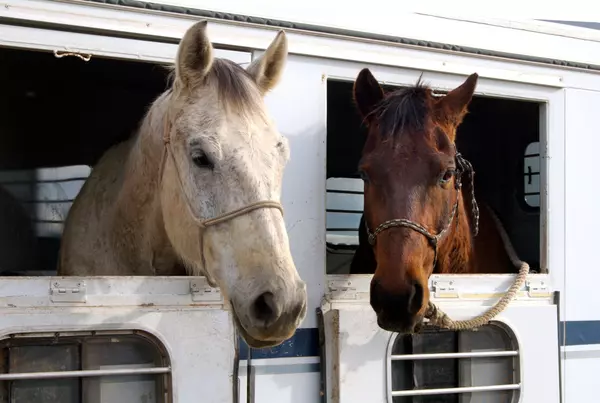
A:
[(454, 367), (492, 143), (531, 173), (58, 117), (90, 367)]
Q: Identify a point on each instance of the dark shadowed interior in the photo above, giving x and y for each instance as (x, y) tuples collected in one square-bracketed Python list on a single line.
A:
[(58, 112), (61, 112)]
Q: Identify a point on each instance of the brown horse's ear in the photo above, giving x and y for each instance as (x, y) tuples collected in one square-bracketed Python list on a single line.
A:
[(267, 69), (194, 56), (367, 92), (453, 106)]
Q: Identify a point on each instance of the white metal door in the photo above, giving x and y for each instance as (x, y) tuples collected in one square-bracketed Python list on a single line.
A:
[(498, 362), (184, 318)]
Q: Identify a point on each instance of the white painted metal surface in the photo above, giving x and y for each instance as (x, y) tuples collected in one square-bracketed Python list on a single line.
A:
[(100, 46), (194, 325), (555, 42), (144, 22), (357, 347), (198, 335), (583, 220)]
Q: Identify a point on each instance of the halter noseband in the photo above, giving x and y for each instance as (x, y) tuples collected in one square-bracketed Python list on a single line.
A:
[(207, 222), (462, 166)]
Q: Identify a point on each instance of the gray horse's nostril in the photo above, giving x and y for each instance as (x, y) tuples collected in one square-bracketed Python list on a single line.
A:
[(265, 308)]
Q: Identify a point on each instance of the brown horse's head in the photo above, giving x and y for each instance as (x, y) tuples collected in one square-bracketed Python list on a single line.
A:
[(411, 173)]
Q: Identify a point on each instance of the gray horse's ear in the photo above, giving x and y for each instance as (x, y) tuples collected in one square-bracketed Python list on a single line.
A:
[(194, 56), (268, 69)]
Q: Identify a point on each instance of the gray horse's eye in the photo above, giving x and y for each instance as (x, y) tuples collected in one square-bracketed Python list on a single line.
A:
[(201, 160)]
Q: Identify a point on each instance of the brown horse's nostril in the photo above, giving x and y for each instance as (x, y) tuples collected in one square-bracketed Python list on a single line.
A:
[(397, 309), (415, 301), (265, 308)]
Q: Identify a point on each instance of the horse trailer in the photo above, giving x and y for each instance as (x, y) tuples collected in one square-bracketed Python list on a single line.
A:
[(159, 339)]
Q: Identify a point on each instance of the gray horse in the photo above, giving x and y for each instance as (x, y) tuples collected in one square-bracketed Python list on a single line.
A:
[(197, 191)]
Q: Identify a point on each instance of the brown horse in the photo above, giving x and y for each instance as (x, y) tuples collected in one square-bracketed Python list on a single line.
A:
[(418, 218)]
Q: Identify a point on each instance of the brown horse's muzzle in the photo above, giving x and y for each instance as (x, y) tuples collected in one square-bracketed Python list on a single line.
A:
[(399, 310)]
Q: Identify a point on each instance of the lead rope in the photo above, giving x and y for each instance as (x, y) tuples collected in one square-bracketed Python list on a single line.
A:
[(438, 318)]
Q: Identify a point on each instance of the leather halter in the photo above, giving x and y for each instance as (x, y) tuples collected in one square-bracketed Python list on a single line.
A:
[(462, 166), (207, 222)]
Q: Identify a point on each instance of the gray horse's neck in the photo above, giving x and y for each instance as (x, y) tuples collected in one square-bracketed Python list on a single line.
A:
[(141, 191)]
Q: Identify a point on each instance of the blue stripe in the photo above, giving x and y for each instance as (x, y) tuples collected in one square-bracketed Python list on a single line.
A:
[(579, 332), (304, 343)]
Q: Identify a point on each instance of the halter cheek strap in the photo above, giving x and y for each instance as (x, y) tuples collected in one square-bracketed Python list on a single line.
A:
[(462, 166)]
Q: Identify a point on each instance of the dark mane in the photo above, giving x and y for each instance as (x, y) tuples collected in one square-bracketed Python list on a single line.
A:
[(402, 110)]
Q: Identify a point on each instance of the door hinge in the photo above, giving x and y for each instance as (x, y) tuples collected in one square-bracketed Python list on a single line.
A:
[(342, 289), (203, 292), (66, 290), (538, 289), (444, 289)]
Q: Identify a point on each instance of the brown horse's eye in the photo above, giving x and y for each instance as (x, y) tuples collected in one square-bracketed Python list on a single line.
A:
[(446, 177), (363, 175)]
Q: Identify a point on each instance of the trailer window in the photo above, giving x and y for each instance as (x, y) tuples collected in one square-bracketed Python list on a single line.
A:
[(344, 201), (43, 196), (454, 367), (57, 118), (493, 144), (531, 165), (84, 367)]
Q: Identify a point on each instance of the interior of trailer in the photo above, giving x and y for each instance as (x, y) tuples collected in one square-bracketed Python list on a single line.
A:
[(58, 116)]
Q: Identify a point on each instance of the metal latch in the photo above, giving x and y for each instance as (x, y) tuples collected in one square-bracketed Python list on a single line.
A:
[(68, 291), (444, 289), (202, 291), (342, 289), (537, 288)]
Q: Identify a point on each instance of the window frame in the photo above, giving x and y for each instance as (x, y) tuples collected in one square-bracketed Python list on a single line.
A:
[(164, 370), (64, 43), (523, 193), (547, 98), (514, 352)]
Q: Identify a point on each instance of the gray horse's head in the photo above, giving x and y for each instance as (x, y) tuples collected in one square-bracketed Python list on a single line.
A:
[(227, 154)]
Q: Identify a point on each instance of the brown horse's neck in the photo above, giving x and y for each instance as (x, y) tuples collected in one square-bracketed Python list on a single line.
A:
[(456, 252)]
